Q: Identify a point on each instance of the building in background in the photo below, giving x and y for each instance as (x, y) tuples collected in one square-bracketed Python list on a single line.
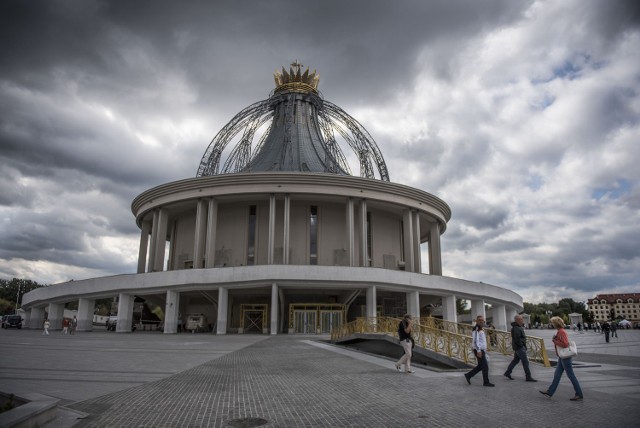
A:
[(615, 306)]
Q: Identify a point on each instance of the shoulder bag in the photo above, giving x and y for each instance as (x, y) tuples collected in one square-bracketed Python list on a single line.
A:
[(569, 351)]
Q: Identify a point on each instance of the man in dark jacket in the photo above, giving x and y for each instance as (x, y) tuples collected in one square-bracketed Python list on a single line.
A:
[(519, 344), (606, 328)]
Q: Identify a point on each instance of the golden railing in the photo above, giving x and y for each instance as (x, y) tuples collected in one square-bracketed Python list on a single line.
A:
[(453, 345), (500, 341), (445, 337)]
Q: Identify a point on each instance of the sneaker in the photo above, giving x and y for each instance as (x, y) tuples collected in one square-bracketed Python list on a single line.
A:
[(508, 376), (409, 371), (576, 398), (531, 380), (398, 367), (545, 393), (466, 376), (488, 384)]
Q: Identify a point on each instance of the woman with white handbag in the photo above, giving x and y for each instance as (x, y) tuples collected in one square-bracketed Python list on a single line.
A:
[(565, 352)]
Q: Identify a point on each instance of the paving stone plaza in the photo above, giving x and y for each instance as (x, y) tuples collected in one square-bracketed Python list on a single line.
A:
[(200, 380)]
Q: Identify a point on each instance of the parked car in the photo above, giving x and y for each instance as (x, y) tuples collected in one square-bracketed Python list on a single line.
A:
[(197, 322), (112, 323), (9, 321)]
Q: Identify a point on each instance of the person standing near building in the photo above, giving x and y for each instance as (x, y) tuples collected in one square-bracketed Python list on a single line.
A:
[(519, 345), (606, 328), (614, 329), (65, 326), (46, 325), (74, 325), (561, 340), (479, 343), (404, 334)]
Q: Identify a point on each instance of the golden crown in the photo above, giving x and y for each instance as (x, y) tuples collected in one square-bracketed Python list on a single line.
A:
[(295, 80)]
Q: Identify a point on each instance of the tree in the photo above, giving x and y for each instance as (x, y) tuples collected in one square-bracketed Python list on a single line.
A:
[(461, 307), (7, 307), (13, 290)]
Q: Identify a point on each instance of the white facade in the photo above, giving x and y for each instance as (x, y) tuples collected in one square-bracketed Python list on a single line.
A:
[(369, 242)]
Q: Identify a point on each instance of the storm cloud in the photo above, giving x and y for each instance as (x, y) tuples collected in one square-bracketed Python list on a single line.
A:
[(522, 116)]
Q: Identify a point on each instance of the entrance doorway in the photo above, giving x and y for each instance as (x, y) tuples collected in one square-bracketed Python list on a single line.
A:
[(254, 318), (330, 320), (315, 318), (304, 322)]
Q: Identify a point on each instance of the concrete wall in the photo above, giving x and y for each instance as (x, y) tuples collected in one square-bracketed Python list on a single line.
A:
[(231, 239), (183, 247), (385, 231)]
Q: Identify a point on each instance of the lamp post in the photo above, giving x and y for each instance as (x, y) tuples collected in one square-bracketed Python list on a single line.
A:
[(18, 297)]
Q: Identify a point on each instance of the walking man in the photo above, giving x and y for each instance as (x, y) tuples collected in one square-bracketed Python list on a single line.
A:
[(614, 329), (479, 343), (74, 325), (404, 333), (606, 328), (519, 345)]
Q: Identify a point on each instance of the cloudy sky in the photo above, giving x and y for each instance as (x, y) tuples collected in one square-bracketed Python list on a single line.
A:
[(524, 116)]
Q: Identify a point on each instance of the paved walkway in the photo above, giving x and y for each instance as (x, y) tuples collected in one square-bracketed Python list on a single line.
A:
[(153, 380)]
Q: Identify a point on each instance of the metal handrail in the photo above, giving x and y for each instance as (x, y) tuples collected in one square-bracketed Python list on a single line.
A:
[(445, 337), (453, 345)]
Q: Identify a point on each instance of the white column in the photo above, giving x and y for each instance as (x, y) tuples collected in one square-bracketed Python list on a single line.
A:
[(125, 313), (36, 320), (154, 241), (435, 256), (413, 304), (200, 234), (171, 311), (371, 302), (272, 229), (364, 257), (86, 307), (27, 319), (223, 301), (417, 257), (144, 244), (477, 308), (274, 308), (56, 314), (511, 314), (350, 232), (287, 226), (408, 240), (449, 309), (499, 317), (212, 226), (161, 240)]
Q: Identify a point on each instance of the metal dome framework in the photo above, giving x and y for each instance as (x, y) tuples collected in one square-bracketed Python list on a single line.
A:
[(326, 121)]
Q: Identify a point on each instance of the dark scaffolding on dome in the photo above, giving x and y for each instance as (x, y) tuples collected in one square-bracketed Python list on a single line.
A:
[(294, 130)]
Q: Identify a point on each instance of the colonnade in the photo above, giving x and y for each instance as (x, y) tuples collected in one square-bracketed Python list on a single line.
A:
[(356, 218), (502, 315)]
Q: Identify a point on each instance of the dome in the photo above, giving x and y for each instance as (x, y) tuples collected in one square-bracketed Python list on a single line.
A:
[(294, 130)]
